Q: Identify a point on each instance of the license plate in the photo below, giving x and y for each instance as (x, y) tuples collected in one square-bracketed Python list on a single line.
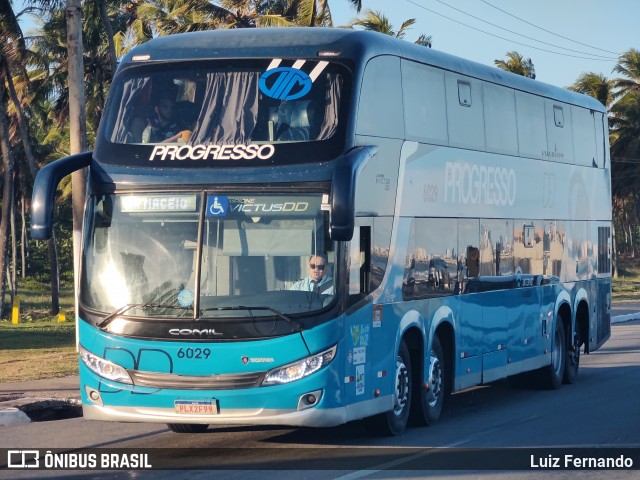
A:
[(196, 407)]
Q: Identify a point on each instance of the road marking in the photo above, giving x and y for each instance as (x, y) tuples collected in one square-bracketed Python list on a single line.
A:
[(431, 450)]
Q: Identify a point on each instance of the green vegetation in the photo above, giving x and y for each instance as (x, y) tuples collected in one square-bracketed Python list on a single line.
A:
[(626, 288), (39, 346), (35, 301), (34, 350)]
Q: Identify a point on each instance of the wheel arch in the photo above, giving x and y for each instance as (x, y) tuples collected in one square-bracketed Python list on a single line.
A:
[(446, 334), (411, 332), (582, 322)]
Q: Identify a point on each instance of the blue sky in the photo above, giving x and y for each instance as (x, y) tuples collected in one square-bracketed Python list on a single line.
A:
[(611, 26)]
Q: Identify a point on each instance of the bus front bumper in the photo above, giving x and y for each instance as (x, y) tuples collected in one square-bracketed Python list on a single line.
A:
[(314, 417)]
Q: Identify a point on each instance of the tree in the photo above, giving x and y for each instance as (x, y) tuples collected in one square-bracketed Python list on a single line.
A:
[(307, 13), (625, 128), (357, 4), (424, 40), (625, 145), (596, 85), (77, 123), (108, 29), (7, 192), (376, 21), (517, 64), (629, 67), (13, 54)]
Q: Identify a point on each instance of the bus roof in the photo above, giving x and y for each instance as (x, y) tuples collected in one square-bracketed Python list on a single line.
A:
[(355, 45)]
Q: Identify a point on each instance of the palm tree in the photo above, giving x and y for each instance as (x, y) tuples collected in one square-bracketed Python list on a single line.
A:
[(164, 17), (517, 64), (7, 193), (377, 22), (305, 13), (357, 4), (629, 66), (13, 54), (625, 128), (596, 85), (424, 40)]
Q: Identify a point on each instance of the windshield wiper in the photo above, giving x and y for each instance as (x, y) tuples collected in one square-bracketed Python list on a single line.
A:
[(109, 318), (286, 318)]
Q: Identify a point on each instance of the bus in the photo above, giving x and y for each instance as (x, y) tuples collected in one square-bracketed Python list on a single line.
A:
[(457, 217)]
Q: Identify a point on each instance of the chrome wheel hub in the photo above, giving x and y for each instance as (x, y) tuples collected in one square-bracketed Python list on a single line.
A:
[(402, 387), (436, 383)]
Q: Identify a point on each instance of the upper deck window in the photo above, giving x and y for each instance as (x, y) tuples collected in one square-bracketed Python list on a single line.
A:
[(227, 104)]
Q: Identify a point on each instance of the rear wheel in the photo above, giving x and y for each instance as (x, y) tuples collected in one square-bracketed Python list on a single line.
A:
[(187, 427), (430, 400), (394, 422), (551, 376), (572, 361)]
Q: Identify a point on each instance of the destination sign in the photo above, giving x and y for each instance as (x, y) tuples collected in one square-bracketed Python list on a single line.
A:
[(158, 203)]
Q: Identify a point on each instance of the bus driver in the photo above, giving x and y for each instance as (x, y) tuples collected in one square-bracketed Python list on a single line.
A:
[(316, 282)]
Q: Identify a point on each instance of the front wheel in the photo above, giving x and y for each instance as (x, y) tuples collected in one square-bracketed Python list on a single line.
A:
[(430, 400), (187, 427), (394, 422)]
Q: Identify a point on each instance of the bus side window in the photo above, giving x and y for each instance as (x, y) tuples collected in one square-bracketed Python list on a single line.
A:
[(365, 255), (360, 262), (473, 262)]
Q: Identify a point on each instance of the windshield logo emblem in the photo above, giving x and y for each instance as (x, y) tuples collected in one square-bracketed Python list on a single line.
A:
[(217, 205), (287, 84)]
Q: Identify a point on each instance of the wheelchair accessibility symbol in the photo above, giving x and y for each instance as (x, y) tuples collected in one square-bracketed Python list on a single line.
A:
[(217, 205)]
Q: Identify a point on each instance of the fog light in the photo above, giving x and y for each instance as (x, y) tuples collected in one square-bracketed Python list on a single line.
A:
[(310, 399), (94, 395)]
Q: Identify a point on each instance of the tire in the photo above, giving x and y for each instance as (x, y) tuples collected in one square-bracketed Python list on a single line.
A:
[(572, 361), (187, 427), (395, 421), (428, 403), (552, 375)]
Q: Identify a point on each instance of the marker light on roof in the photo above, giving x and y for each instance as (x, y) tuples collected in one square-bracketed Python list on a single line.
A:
[(328, 53)]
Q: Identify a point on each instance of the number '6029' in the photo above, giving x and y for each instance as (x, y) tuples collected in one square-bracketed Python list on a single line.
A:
[(197, 353)]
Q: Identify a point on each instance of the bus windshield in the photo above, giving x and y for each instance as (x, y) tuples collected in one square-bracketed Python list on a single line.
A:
[(226, 103), (254, 255)]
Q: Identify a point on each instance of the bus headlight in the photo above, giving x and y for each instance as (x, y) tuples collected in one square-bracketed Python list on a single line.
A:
[(301, 368), (104, 368)]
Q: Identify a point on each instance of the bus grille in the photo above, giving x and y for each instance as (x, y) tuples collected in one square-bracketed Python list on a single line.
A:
[(193, 382)]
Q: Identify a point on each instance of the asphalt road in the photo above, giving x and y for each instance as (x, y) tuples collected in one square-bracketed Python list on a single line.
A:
[(602, 410)]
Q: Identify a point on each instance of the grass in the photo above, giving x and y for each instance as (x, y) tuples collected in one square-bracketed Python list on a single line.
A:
[(626, 288), (38, 346), (34, 350), (41, 347), (35, 301)]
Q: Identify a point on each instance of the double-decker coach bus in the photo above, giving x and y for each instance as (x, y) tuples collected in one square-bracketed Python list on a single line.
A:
[(456, 218)]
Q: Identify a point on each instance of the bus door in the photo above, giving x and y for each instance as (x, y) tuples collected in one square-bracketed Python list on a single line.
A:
[(369, 329), (358, 336)]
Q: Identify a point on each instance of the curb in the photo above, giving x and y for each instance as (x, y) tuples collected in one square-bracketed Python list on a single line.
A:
[(625, 318), (27, 409), (13, 416)]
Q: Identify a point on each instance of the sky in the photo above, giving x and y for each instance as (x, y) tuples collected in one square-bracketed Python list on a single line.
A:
[(596, 30)]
